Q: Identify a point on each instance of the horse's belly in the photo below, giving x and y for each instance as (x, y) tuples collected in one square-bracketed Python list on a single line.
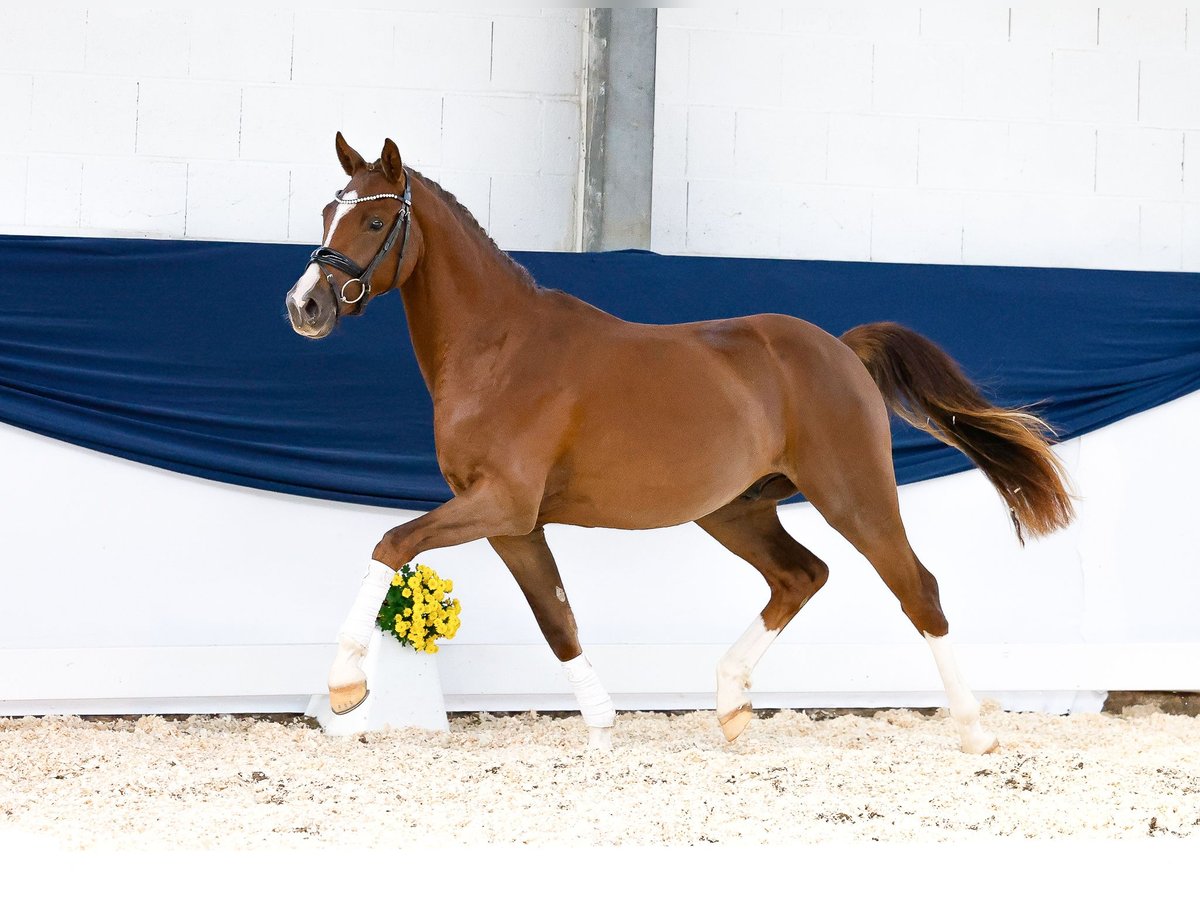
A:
[(653, 486)]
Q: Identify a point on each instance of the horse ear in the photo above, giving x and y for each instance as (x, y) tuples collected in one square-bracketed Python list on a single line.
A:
[(350, 158), (393, 168)]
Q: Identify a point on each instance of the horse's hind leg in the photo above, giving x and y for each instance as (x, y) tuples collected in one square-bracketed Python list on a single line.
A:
[(529, 559), (751, 530), (867, 514)]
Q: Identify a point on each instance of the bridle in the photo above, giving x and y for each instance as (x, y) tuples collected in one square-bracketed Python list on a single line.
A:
[(327, 256)]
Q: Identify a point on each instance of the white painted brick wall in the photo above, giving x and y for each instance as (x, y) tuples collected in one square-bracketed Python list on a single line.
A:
[(826, 221), (37, 39), (829, 74), (919, 78), (710, 142), (209, 129), (259, 49), (14, 173), (917, 225), (1040, 132), (780, 145), (83, 115), (1058, 24), (873, 150), (1191, 165), (962, 154), (1135, 26), (1170, 95), (1094, 86), (1140, 162), (1043, 132), (141, 195), (137, 41), (178, 121), (16, 104), (1008, 82), (1191, 237), (234, 200), (1160, 235), (54, 194), (1052, 158)]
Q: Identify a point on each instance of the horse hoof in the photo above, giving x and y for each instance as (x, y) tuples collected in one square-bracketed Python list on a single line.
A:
[(347, 698), (734, 723), (981, 744), (600, 738)]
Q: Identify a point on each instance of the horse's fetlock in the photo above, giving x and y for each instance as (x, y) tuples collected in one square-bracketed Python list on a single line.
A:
[(967, 716), (732, 672)]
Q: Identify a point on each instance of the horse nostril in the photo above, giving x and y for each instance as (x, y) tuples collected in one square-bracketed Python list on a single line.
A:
[(310, 310)]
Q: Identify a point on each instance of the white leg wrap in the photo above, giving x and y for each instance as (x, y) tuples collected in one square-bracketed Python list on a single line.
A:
[(355, 634), (964, 708), (347, 663), (360, 621), (594, 702)]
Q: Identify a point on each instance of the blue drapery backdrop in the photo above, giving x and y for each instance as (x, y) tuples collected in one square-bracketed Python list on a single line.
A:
[(178, 353)]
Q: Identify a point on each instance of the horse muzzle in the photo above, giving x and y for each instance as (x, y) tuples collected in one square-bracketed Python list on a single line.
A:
[(311, 316)]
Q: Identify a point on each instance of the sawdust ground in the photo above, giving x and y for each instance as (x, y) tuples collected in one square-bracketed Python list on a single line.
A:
[(229, 782)]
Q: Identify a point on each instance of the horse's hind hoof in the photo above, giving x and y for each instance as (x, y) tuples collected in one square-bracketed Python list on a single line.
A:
[(980, 743), (600, 738), (734, 723), (347, 698), (982, 748)]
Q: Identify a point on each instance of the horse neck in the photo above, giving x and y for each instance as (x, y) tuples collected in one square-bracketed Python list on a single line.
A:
[(463, 297)]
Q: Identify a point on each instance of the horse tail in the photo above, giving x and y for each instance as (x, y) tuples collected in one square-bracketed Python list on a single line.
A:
[(926, 388)]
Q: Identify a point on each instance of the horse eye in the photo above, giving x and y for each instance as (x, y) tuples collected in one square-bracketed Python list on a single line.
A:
[(376, 224)]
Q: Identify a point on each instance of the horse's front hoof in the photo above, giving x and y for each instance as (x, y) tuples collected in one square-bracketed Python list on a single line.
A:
[(347, 697), (978, 742), (979, 745), (733, 723)]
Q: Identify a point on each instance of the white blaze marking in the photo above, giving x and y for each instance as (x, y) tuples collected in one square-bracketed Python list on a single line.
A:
[(342, 209), (313, 274), (309, 280)]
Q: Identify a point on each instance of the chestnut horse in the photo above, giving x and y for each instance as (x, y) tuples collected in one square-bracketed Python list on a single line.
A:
[(548, 410)]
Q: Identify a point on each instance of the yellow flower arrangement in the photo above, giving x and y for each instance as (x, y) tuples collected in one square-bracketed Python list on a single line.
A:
[(419, 610)]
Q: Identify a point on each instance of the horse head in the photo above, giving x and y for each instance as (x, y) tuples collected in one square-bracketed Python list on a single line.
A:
[(369, 245)]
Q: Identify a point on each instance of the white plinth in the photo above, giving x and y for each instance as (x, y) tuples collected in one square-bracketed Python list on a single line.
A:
[(405, 692)]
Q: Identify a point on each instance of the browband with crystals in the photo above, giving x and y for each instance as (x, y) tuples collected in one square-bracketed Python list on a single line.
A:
[(327, 256), (338, 197)]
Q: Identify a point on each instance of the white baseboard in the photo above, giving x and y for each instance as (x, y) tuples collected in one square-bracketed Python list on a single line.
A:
[(281, 677)]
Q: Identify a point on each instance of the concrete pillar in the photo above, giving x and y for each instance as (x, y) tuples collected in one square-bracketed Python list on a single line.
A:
[(619, 128)]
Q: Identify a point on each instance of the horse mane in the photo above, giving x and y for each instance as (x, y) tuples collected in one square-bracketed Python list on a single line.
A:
[(469, 221)]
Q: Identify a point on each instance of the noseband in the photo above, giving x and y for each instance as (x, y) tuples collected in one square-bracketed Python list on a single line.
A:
[(326, 256)]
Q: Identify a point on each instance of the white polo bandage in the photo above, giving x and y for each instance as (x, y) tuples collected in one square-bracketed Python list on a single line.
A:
[(594, 703), (360, 621)]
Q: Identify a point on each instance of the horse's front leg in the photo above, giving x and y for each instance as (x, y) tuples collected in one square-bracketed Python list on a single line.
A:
[(529, 559), (479, 513)]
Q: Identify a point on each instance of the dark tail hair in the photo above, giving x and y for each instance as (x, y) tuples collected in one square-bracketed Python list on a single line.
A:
[(926, 388)]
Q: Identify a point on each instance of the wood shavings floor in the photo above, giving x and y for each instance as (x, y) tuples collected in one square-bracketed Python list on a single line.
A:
[(221, 782)]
